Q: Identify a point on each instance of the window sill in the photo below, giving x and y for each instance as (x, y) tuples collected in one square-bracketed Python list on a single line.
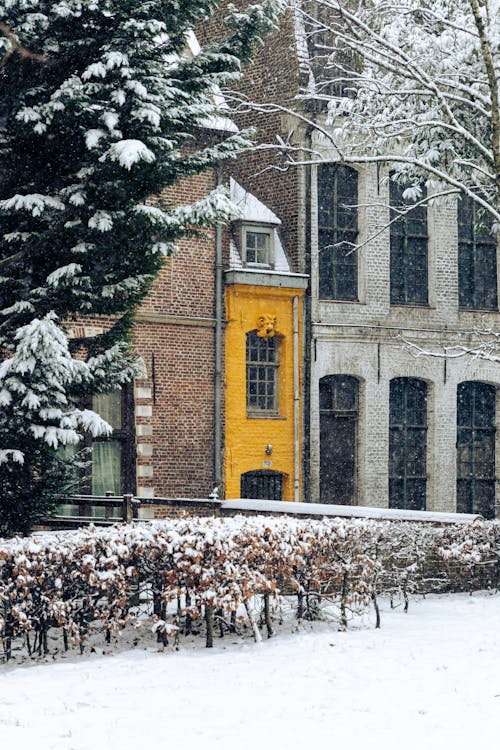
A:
[(342, 301), (255, 415), (412, 306), (480, 310)]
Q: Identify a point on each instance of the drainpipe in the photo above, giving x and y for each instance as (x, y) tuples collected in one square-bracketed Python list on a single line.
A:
[(307, 338), (296, 401), (218, 354)]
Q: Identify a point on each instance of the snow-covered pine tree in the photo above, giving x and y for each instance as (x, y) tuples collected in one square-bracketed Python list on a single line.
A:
[(102, 114)]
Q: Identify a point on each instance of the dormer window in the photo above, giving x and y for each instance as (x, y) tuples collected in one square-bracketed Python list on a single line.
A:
[(257, 246)]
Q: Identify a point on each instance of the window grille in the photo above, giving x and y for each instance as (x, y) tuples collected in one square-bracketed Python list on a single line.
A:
[(339, 411), (476, 435), (337, 232), (409, 250), (477, 258), (262, 366), (408, 444), (262, 485)]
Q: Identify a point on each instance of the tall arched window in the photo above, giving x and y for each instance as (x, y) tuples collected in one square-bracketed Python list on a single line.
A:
[(407, 444), (477, 258), (339, 411), (262, 370), (476, 448), (408, 234), (337, 232)]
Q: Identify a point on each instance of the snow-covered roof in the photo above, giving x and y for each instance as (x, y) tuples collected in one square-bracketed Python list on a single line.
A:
[(348, 511), (252, 210)]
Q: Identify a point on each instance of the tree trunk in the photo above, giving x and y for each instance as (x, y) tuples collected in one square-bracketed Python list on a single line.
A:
[(209, 622), (267, 615), (256, 632)]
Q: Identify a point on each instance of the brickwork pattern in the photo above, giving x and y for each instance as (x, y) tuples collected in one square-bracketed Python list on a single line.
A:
[(273, 78)]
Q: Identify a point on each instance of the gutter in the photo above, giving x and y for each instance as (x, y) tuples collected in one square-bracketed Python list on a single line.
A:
[(218, 354), (296, 401)]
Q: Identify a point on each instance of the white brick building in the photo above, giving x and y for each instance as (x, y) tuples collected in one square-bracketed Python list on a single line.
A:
[(364, 339)]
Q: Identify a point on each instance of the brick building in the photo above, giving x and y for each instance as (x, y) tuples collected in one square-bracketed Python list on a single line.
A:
[(383, 427), (219, 400), (351, 416)]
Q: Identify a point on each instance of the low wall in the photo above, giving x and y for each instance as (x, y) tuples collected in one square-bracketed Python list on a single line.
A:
[(157, 508)]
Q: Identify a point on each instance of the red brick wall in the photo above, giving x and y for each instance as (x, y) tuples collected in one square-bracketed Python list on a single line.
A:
[(182, 408), (174, 335), (273, 77), (169, 332)]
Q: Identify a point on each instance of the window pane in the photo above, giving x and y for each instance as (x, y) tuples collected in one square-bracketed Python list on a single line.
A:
[(109, 407), (338, 438), (476, 437), (477, 257), (408, 443), (337, 232), (106, 465), (409, 250), (261, 373), (257, 248)]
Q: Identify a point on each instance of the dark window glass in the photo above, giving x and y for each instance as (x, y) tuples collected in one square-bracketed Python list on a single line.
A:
[(334, 65), (338, 401), (476, 448), (407, 444), (337, 232), (262, 485), (477, 258), (262, 358), (408, 233)]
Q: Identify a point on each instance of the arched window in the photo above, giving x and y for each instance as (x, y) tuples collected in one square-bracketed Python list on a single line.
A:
[(337, 232), (476, 448), (477, 258), (262, 370), (262, 485), (408, 233), (338, 405), (407, 444)]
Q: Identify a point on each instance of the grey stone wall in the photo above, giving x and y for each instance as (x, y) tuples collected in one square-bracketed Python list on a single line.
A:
[(366, 340)]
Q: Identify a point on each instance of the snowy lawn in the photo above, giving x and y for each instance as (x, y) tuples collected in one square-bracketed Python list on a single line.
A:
[(428, 679)]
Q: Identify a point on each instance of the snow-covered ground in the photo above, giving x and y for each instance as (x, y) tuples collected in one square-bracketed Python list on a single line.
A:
[(429, 679)]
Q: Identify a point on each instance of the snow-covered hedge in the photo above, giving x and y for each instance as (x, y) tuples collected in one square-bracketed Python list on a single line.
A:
[(172, 573)]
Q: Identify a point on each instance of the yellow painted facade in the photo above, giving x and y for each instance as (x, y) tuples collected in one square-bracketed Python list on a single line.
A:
[(259, 442)]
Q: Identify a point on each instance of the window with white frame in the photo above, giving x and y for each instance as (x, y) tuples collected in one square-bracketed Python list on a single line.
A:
[(262, 370), (257, 244)]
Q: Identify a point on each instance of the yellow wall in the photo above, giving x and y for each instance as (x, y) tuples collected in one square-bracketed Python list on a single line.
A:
[(247, 437)]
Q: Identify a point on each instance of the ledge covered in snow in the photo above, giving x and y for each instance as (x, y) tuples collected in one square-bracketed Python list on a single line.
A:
[(347, 511)]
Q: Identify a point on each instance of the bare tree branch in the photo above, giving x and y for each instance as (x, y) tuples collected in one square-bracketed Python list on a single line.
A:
[(16, 48)]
